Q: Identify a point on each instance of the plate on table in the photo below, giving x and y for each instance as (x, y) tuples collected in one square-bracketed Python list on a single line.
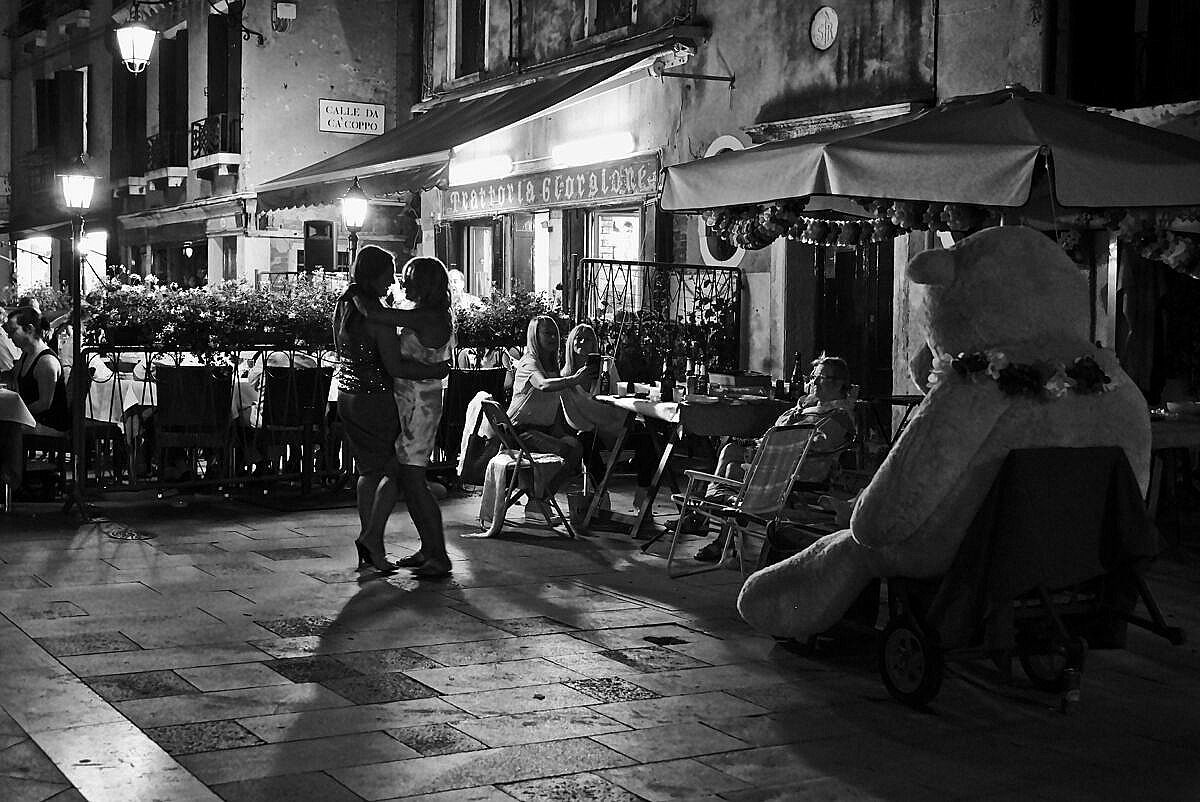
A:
[(752, 399), (701, 399)]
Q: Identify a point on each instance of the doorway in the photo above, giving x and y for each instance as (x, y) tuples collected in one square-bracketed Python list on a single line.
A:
[(615, 234), (854, 312)]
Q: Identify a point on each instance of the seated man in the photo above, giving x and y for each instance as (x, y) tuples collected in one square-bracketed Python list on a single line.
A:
[(826, 405)]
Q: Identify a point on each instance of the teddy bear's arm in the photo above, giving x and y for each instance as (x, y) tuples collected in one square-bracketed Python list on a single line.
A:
[(927, 462)]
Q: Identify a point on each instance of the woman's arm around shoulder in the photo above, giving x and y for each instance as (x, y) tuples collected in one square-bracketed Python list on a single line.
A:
[(375, 312), (395, 363)]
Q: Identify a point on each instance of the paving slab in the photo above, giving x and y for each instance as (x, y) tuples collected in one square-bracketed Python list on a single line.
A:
[(237, 655)]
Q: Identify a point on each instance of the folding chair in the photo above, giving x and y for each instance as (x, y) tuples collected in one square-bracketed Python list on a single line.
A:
[(761, 495), (522, 470)]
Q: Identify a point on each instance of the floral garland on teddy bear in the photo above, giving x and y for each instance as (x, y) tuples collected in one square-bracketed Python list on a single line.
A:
[(1043, 379)]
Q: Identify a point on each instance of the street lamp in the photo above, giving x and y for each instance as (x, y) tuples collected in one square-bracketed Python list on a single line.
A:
[(135, 41), (354, 213), (78, 184)]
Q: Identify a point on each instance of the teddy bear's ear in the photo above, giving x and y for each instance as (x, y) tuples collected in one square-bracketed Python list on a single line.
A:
[(935, 266)]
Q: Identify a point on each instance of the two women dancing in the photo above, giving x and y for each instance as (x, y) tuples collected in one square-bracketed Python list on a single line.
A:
[(390, 400)]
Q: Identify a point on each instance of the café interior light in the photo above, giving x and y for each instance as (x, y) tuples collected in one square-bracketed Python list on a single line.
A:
[(188, 250), (592, 149), (470, 171)]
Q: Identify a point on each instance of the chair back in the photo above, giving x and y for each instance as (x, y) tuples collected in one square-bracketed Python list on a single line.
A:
[(194, 398), (462, 385), (773, 470), (293, 396), (1056, 516), (505, 429)]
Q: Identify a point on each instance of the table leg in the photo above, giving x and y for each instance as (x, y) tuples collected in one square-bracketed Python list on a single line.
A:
[(673, 439), (614, 455)]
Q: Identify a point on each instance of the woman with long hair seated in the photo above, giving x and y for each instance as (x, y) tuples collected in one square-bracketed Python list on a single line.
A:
[(370, 356), (596, 421), (37, 375), (539, 385)]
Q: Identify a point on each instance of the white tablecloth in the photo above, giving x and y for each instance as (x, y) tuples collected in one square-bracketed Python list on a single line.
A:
[(13, 409), (14, 421)]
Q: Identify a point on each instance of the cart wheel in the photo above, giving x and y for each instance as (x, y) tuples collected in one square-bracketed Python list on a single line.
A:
[(910, 663), (1046, 671)]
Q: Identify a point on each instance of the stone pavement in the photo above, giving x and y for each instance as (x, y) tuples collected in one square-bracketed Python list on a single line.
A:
[(238, 656)]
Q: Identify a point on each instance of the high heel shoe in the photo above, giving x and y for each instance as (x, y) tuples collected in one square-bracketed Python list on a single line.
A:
[(367, 560), (364, 556)]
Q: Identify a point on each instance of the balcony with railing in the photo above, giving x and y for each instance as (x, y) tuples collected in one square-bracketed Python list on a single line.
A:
[(216, 144), (167, 158)]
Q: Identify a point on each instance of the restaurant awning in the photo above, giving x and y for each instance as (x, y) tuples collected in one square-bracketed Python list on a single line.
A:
[(414, 155), (986, 149)]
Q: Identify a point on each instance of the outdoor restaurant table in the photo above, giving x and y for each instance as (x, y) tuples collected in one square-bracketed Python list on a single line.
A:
[(719, 418), (14, 419), (907, 402)]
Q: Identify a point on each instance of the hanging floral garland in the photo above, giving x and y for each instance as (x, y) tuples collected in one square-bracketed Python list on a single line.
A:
[(1043, 379), (755, 226)]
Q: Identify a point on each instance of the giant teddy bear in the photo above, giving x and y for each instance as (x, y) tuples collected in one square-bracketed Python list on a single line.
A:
[(1015, 305)]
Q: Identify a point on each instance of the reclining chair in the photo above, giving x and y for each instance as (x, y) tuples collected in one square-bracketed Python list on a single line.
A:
[(760, 497)]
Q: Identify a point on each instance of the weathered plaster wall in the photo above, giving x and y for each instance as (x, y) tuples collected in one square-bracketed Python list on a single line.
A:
[(74, 47), (981, 45), (985, 44), (884, 53), (344, 51)]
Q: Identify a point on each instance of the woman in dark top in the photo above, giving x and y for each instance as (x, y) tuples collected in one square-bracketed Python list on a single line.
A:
[(37, 376), (370, 358)]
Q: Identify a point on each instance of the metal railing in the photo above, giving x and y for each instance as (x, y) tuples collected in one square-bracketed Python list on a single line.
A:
[(645, 312), (220, 133), (166, 149)]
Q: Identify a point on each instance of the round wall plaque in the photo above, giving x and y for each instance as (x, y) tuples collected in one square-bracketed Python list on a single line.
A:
[(824, 28)]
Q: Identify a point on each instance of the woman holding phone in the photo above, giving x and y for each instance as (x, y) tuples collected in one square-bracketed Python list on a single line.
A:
[(599, 423)]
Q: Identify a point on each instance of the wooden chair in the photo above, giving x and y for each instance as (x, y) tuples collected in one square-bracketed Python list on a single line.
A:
[(760, 497), (522, 473), (292, 410), (194, 412)]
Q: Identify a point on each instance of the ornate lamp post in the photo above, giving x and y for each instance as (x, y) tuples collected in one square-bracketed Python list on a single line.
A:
[(78, 184), (354, 213)]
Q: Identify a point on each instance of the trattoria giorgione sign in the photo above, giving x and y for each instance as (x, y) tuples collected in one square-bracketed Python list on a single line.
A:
[(625, 179)]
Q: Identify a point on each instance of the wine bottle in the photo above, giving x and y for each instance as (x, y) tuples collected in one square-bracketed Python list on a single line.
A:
[(796, 387), (668, 380)]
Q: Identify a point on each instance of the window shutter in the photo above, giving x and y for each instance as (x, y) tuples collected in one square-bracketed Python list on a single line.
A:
[(46, 103), (69, 115)]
